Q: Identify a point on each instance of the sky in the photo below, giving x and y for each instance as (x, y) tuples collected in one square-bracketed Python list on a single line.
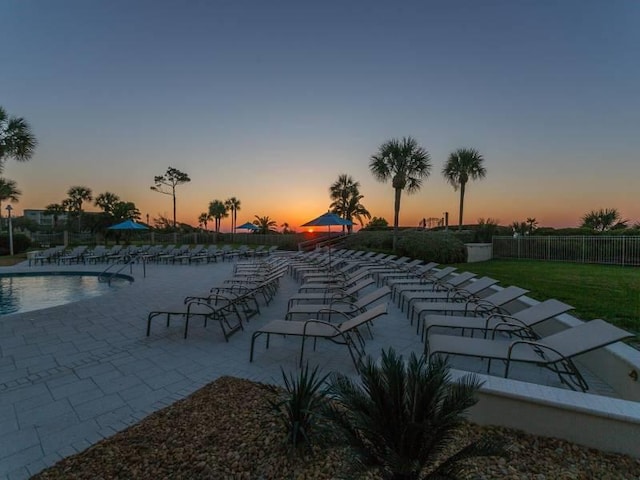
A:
[(270, 102)]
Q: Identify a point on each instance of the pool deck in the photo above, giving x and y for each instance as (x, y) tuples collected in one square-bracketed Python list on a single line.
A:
[(77, 373)]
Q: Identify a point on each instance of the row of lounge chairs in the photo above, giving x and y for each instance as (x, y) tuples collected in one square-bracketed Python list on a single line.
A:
[(157, 254), (341, 295), (231, 303), (440, 299)]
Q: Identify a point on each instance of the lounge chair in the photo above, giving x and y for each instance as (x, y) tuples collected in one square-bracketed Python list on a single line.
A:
[(338, 306), (75, 255), (331, 294), (554, 352), (480, 307), (345, 333), (519, 323), (446, 284), (439, 292), (218, 307)]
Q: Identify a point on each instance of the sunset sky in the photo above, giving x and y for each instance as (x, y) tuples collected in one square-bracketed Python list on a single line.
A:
[(269, 101)]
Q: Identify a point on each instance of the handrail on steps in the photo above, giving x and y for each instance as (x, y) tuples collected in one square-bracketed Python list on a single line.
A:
[(128, 260)]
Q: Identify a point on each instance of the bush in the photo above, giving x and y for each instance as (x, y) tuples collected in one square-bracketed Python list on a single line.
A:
[(300, 406), (370, 240), (21, 243), (441, 247)]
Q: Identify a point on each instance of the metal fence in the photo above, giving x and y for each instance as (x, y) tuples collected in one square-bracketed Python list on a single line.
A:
[(613, 250)]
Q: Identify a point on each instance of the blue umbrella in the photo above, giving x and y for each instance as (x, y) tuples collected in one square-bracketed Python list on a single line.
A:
[(248, 226), (326, 220), (128, 225)]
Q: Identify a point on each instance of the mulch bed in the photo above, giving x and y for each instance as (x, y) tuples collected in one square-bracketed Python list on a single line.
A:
[(226, 430)]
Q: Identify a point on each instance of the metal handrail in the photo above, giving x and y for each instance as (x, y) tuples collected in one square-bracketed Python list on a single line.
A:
[(128, 260)]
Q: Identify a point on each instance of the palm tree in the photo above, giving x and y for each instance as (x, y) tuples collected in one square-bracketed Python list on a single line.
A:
[(603, 220), (265, 224), (233, 205), (532, 224), (203, 219), (55, 210), (125, 211), (8, 191), (400, 417), (170, 180), (463, 165), (106, 201), (16, 139), (218, 211), (346, 198), (406, 164), (76, 197)]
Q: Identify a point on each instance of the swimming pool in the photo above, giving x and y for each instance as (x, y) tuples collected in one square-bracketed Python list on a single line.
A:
[(26, 292)]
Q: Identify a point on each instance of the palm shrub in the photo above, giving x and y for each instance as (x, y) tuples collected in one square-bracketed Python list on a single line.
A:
[(299, 408), (400, 417)]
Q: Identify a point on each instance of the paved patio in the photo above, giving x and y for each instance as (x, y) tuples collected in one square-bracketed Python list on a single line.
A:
[(75, 374)]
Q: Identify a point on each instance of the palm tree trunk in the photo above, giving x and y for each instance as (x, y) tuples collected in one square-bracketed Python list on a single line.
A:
[(462, 185), (396, 216)]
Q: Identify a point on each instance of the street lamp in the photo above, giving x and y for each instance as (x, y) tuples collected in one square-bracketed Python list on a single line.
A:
[(9, 208)]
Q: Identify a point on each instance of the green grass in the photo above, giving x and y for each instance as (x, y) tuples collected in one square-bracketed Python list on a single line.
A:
[(596, 291)]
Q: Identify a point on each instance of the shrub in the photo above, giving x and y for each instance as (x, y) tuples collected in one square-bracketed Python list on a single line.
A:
[(300, 406), (441, 247), (21, 243), (401, 417), (370, 240)]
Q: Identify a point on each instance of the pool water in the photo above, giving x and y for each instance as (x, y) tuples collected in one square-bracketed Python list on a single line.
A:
[(34, 292)]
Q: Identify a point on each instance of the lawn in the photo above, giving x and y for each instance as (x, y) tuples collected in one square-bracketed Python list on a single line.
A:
[(596, 291)]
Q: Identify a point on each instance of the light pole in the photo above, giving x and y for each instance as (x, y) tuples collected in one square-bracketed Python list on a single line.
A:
[(9, 208)]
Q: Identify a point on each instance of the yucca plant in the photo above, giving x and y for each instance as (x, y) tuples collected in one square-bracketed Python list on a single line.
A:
[(401, 417), (300, 406)]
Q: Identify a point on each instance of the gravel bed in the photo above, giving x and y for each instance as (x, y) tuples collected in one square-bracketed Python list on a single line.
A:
[(226, 431)]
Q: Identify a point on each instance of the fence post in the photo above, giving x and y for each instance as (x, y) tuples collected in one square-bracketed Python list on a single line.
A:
[(623, 250)]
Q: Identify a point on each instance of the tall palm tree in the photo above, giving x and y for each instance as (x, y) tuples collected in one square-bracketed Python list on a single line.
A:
[(106, 201), (203, 219), (404, 162), (77, 195), (346, 198), (233, 205), (16, 139), (463, 165), (8, 191), (265, 224), (55, 210), (218, 211)]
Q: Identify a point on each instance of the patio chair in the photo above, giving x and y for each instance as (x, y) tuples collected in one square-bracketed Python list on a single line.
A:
[(555, 352), (338, 306), (476, 307), (345, 333), (520, 323)]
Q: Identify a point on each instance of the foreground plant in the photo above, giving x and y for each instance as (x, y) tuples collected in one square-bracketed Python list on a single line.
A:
[(300, 407), (401, 417)]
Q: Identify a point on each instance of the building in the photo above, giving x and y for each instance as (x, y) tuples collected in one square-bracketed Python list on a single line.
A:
[(42, 218)]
